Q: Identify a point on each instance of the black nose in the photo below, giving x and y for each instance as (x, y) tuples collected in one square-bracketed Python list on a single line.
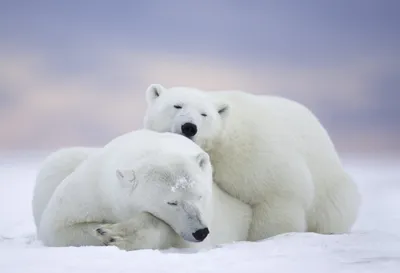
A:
[(201, 234), (189, 129)]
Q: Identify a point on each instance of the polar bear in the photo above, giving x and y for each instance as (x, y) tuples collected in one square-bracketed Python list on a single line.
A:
[(270, 152), (117, 195)]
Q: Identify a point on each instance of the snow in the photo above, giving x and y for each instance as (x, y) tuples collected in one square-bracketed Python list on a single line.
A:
[(182, 183), (372, 246)]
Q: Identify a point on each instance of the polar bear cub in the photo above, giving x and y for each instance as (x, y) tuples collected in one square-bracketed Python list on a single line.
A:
[(272, 153), (142, 190)]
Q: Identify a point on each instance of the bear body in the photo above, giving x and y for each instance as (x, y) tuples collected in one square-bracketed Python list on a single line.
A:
[(55, 168), (111, 195), (270, 152)]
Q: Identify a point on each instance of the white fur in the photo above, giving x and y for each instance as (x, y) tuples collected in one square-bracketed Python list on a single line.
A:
[(55, 168), (269, 152), (96, 196)]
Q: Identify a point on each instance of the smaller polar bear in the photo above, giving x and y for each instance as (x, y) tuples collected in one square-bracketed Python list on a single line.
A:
[(112, 196), (269, 152)]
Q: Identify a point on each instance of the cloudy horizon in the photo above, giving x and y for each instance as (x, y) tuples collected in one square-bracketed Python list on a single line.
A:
[(74, 73)]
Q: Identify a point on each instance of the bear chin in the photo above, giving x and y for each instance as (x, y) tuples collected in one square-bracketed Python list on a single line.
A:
[(192, 138)]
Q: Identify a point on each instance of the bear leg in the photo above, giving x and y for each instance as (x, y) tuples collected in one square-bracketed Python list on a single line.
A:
[(144, 231), (72, 235)]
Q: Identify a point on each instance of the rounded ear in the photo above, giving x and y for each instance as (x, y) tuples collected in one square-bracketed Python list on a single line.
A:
[(203, 159), (127, 178), (153, 92), (223, 109)]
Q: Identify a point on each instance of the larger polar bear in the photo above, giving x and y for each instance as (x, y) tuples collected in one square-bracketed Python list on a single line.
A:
[(267, 151), (111, 195)]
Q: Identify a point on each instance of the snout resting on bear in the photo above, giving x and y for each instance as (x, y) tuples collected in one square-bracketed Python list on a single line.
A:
[(270, 152), (142, 190)]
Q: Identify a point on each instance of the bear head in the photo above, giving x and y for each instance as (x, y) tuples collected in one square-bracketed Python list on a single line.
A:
[(186, 111), (174, 187)]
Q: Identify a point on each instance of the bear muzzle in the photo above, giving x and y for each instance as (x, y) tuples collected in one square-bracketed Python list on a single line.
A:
[(189, 129), (201, 234)]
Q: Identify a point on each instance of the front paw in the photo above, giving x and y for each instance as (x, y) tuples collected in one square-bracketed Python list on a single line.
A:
[(144, 231), (109, 235), (124, 236)]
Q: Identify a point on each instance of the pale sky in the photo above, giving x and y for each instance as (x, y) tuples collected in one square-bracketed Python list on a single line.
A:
[(340, 58)]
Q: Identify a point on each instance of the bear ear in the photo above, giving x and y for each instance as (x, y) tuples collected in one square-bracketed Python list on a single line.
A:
[(127, 177), (223, 109), (202, 160), (153, 92)]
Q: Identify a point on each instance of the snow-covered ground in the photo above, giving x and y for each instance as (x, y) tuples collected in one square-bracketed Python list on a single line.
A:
[(373, 246)]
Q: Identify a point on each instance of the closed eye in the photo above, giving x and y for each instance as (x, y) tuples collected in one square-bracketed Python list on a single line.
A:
[(175, 203), (178, 106), (204, 114)]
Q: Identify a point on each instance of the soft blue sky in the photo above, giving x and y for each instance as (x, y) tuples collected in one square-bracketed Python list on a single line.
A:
[(294, 32), (342, 58)]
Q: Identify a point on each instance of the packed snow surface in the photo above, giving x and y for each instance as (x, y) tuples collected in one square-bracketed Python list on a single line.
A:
[(372, 246)]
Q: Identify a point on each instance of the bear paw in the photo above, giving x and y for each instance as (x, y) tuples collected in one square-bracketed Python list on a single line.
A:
[(142, 232), (110, 236)]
